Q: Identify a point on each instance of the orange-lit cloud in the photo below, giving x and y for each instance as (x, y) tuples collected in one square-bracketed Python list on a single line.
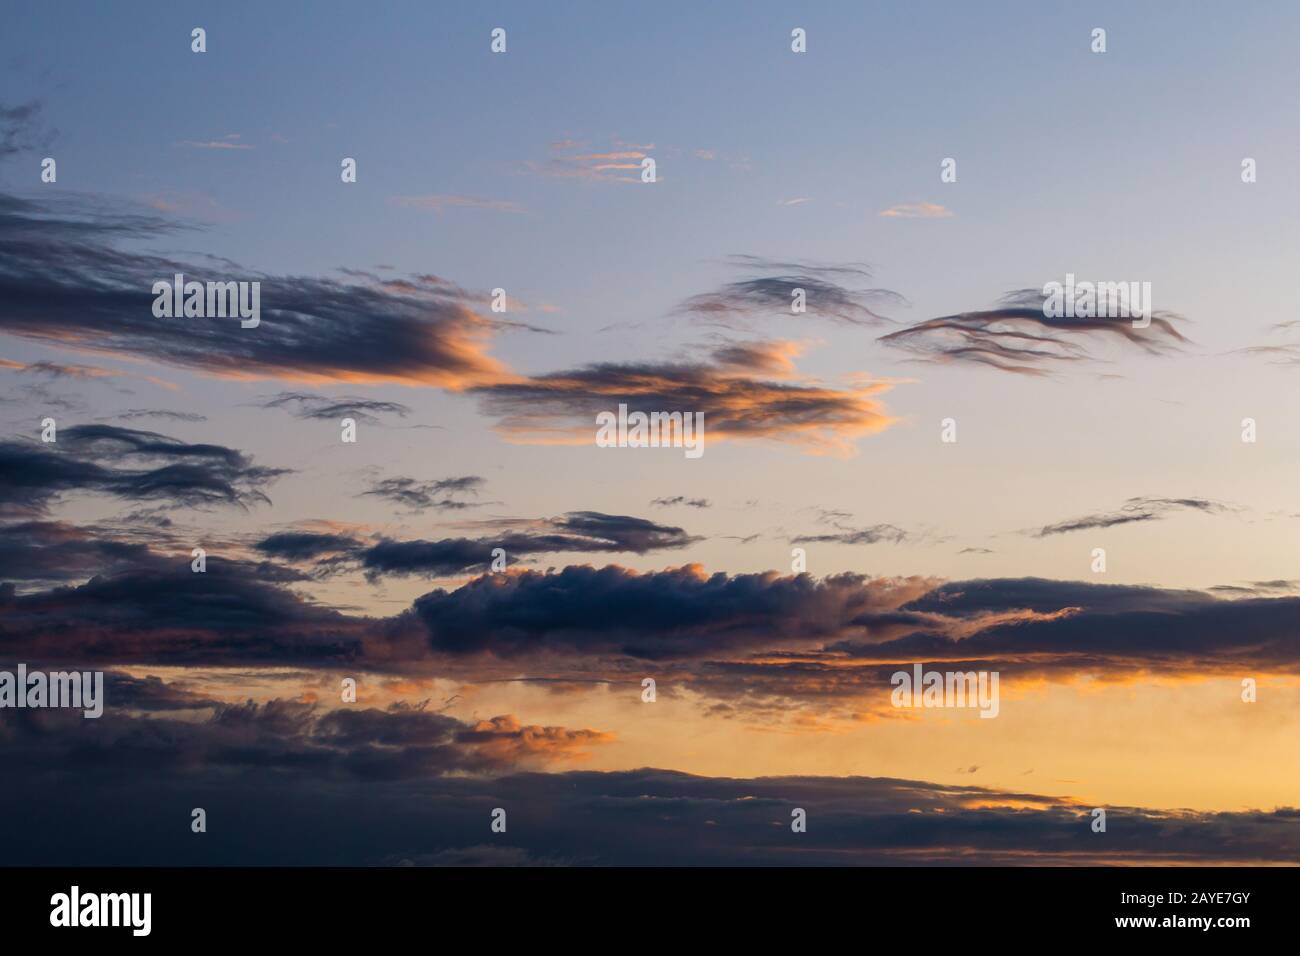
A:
[(561, 407)]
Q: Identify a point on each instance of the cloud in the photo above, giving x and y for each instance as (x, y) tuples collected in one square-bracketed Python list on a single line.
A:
[(441, 494), (304, 545), (85, 373), (165, 614), (506, 742), (1019, 338), (405, 803), (578, 531), (678, 613), (334, 408), (22, 129), (772, 294), (1259, 588), (295, 738), (681, 500), (49, 551), (1288, 354), (590, 532), (1038, 627), (1134, 510), (871, 535), (571, 159), (58, 370), (128, 464), (916, 210), (759, 640), (229, 141), (418, 331), (132, 414), (414, 785), (440, 202), (561, 407), (800, 639)]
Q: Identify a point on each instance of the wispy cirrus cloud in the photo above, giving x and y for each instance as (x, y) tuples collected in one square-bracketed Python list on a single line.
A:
[(128, 464), (133, 414), (1019, 337), (85, 373), (869, 535), (330, 408), (1133, 511), (826, 291), (442, 494), (669, 502)]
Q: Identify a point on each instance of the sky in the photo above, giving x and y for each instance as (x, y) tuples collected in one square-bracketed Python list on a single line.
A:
[(831, 534)]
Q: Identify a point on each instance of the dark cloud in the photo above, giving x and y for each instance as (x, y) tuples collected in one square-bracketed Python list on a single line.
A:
[(1044, 595), (588, 532), (304, 545), (1267, 588), (816, 640), (65, 273), (409, 802), (826, 295), (1018, 337), (578, 531), (129, 464), (1030, 629), (234, 613), (562, 406), (1135, 510), (152, 695), (681, 612), (282, 736), (1108, 630), (48, 551)]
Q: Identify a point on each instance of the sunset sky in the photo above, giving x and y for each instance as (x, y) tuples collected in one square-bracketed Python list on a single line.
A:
[(522, 688)]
